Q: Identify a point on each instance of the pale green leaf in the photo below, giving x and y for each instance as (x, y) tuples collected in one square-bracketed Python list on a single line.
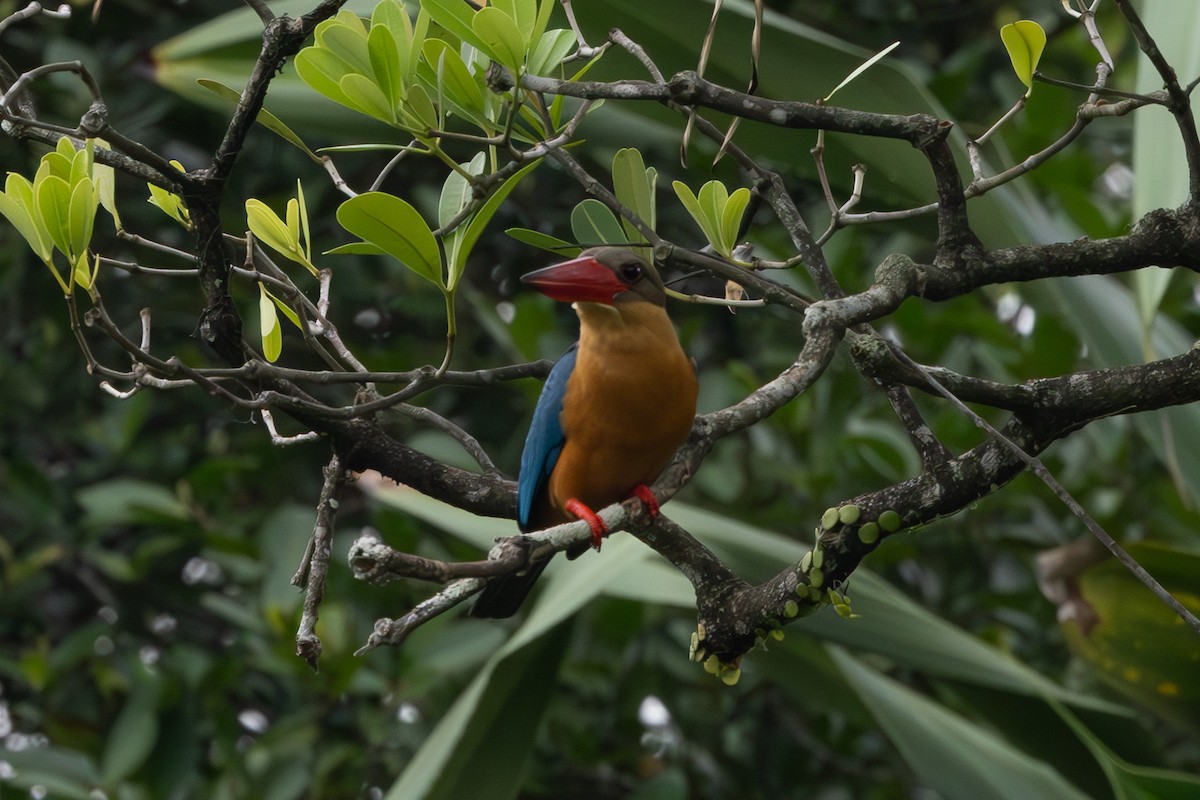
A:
[(713, 196), (523, 13), (949, 754), (456, 17), (357, 248), (17, 206), (391, 17), (633, 185), (264, 118), (731, 217), (345, 37), (363, 94), (105, 178), (474, 228), (420, 114), (457, 191), (1024, 40), (500, 37), (81, 165), (544, 241), (397, 228), (456, 195), (1129, 781), (552, 47), (292, 316), (81, 217), (861, 68), (84, 271), (293, 221), (52, 196), (460, 88), (171, 204), (697, 209), (322, 71), (268, 326), (269, 229), (593, 223), (304, 220), (65, 149), (1158, 149), (385, 64), (545, 8)]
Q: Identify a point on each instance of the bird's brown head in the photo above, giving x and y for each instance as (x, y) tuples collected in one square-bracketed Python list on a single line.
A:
[(607, 275)]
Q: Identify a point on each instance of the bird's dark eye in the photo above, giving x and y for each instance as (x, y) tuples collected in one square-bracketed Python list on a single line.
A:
[(631, 271)]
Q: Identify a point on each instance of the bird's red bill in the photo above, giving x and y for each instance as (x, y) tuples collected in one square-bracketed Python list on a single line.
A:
[(582, 279)]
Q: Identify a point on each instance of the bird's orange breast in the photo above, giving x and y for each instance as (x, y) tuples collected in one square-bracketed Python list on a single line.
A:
[(629, 405)]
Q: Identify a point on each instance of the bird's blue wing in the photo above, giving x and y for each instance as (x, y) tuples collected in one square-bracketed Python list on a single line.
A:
[(544, 442)]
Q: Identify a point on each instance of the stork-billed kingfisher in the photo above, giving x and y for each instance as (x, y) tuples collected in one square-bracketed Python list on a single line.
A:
[(613, 411)]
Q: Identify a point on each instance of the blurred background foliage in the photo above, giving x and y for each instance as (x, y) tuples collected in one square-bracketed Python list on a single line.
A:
[(146, 545)]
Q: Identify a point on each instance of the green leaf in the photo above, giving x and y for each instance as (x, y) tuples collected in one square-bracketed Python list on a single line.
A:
[(52, 195), (456, 195), (134, 733), (385, 64), (712, 197), (304, 232), (84, 272), (544, 9), (105, 178), (481, 746), (861, 68), (269, 229), (63, 773), (633, 185), (397, 228), (950, 754), (474, 228), (322, 72), (702, 209), (1024, 40), (500, 37), (1157, 146), (17, 206), (594, 223), (82, 217), (264, 118), (286, 309), (358, 249), (460, 88), (1131, 782), (456, 17), (544, 241), (1104, 315), (523, 13), (125, 501), (363, 94), (268, 326), (420, 114), (731, 217), (552, 47), (171, 204)]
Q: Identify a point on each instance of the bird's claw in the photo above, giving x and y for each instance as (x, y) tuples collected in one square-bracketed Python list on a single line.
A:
[(642, 492), (581, 511)]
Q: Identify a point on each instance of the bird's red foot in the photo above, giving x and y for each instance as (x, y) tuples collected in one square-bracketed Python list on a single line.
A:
[(642, 492), (580, 511)]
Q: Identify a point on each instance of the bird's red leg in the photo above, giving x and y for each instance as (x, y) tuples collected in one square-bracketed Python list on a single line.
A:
[(580, 511), (642, 492)]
